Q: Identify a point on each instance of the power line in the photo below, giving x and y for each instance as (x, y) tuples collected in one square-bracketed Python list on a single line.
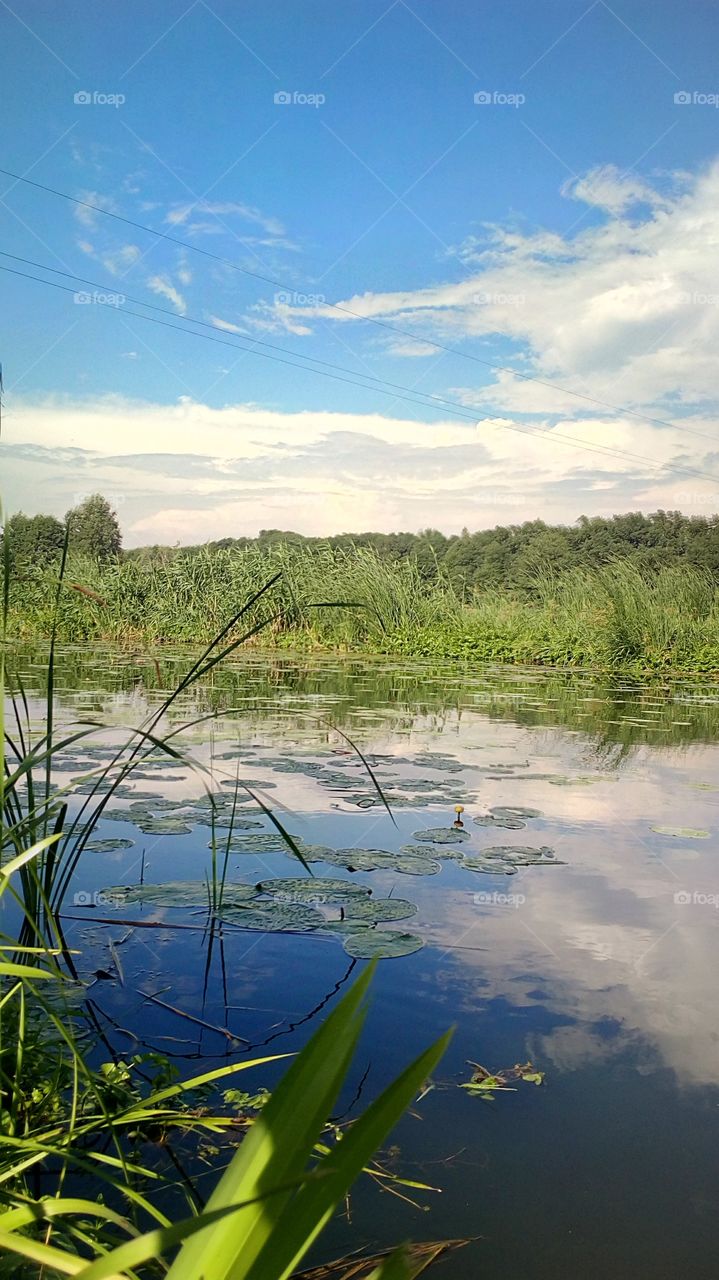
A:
[(386, 389), (337, 306), (273, 346), (218, 328)]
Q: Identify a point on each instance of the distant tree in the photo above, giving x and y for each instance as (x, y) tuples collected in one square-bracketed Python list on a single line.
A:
[(34, 539), (547, 553), (94, 529)]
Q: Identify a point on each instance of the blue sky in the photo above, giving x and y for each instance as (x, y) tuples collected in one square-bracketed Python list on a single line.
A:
[(565, 226)]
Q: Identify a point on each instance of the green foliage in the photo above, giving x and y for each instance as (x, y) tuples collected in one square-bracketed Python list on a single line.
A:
[(34, 540), (93, 529), (615, 617), (486, 1084), (509, 556), (630, 592)]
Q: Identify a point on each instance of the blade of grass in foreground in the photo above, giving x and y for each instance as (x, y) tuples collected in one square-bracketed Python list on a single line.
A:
[(275, 1197)]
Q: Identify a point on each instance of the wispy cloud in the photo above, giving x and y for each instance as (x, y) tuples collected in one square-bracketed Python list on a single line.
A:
[(625, 307), (164, 287), (180, 214)]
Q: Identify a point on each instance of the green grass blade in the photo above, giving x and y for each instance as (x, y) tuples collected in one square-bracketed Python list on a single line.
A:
[(277, 1148), (315, 1203)]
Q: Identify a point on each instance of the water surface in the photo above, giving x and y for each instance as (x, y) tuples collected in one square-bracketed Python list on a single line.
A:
[(598, 966)]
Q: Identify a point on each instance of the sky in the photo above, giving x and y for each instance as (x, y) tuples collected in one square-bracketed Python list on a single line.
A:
[(377, 265)]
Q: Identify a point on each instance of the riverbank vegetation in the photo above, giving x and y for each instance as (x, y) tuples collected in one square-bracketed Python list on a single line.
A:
[(631, 592), (324, 598)]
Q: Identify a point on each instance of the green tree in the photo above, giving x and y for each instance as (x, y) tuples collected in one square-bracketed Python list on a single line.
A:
[(94, 529), (34, 539)]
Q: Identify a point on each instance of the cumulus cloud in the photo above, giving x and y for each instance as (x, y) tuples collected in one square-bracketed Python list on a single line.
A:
[(190, 471), (625, 309)]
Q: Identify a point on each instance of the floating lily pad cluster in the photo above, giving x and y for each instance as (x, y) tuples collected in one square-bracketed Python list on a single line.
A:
[(347, 776), (496, 859), (512, 817), (292, 905)]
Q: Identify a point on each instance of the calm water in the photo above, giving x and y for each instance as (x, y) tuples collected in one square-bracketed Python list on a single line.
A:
[(598, 967)]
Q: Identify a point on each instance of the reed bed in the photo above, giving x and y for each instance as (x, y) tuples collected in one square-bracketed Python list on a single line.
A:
[(327, 598)]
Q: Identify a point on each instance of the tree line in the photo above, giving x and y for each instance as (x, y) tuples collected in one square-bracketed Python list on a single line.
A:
[(514, 556), (91, 528), (510, 556)]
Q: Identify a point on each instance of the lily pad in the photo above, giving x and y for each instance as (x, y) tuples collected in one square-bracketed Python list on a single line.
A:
[(363, 859), (122, 815), (317, 853), (224, 821), (178, 893), (408, 864), (514, 811), (375, 910), (381, 943), (445, 763), (490, 866), (489, 820), (265, 843), (313, 889), (163, 827), (516, 855), (147, 801), (684, 833), (441, 835), (275, 917), (110, 845)]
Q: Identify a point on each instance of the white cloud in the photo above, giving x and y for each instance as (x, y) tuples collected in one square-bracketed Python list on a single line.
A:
[(189, 471), (607, 188), (90, 217), (625, 309), (179, 214), (227, 325), (120, 260), (164, 287)]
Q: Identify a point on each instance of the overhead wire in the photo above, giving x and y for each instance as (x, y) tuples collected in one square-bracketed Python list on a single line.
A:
[(341, 307), (407, 394)]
